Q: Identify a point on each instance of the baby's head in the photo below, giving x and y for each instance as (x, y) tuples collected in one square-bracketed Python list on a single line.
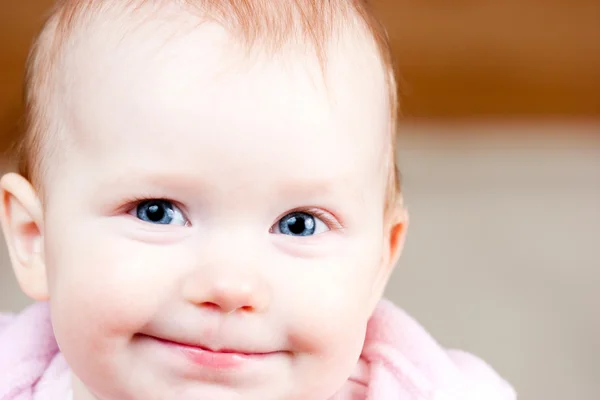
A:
[(213, 210)]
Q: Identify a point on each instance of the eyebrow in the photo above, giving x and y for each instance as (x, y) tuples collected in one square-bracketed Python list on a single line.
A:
[(167, 180), (307, 186), (195, 185)]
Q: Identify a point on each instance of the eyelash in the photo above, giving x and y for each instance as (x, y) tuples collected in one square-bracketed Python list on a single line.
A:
[(330, 220), (135, 201)]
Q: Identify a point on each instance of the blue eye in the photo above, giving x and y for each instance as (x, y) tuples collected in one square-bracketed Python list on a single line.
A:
[(300, 224), (160, 212)]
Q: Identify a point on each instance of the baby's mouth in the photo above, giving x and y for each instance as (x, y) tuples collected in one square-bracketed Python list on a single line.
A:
[(209, 349), (214, 358)]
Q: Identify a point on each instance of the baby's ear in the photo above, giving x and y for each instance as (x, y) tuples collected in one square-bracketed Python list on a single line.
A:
[(22, 224), (396, 226), (396, 233)]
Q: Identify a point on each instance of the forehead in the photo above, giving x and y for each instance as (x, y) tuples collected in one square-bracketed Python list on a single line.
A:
[(175, 91)]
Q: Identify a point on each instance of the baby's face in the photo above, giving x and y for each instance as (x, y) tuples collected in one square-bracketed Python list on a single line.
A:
[(215, 228)]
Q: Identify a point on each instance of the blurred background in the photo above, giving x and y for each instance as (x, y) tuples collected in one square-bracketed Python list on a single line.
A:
[(500, 152)]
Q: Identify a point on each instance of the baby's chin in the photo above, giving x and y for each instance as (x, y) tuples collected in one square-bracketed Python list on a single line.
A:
[(194, 390)]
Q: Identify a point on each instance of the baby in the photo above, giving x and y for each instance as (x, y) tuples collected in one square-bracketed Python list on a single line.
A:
[(208, 208)]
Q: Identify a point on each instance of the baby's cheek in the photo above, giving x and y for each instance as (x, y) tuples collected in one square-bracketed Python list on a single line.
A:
[(101, 295), (102, 289), (330, 325), (330, 304), (329, 344)]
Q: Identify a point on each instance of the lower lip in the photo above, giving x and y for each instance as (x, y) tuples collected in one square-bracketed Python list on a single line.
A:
[(213, 359)]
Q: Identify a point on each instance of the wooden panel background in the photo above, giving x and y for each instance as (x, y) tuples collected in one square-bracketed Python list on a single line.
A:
[(496, 57), (460, 58)]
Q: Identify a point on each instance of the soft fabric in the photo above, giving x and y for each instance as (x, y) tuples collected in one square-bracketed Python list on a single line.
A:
[(403, 362), (31, 366), (400, 361)]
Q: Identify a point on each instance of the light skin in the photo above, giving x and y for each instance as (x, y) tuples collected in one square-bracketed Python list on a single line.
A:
[(269, 239)]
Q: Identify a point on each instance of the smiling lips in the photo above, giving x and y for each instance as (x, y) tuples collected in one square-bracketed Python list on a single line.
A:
[(221, 359)]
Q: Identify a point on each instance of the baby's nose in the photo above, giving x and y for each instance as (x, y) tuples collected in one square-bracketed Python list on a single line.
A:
[(233, 296), (228, 294)]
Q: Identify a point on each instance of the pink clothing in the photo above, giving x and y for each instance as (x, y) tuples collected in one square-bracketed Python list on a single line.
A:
[(31, 366), (401, 362)]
